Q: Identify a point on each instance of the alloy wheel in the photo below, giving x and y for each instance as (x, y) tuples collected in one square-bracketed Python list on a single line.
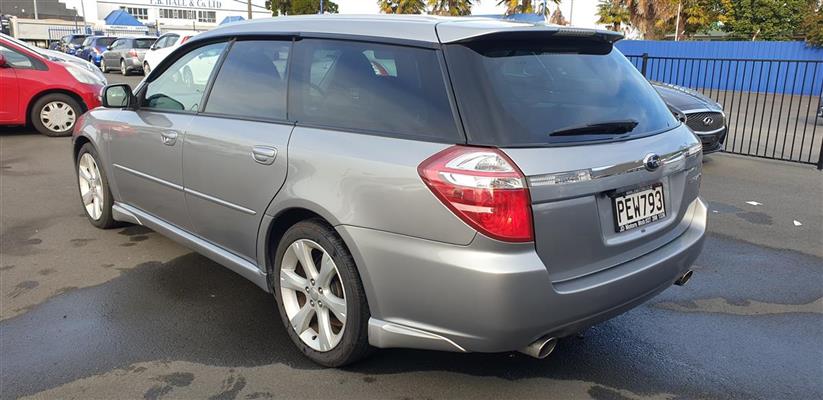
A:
[(314, 298), (91, 186), (57, 116), (123, 67)]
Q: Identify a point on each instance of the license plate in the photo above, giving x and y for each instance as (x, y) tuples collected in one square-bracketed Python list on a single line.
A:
[(638, 207)]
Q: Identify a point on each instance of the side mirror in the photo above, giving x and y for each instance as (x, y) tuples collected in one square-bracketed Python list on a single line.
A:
[(117, 96), (3, 63), (108, 47)]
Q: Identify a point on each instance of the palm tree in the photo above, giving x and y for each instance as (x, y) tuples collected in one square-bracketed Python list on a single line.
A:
[(402, 6), (614, 13), (451, 7), (651, 16), (525, 6)]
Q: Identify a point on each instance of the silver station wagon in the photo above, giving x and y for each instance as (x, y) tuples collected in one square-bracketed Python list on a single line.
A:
[(453, 184)]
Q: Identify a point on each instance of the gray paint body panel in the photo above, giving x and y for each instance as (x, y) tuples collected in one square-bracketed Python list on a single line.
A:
[(431, 281)]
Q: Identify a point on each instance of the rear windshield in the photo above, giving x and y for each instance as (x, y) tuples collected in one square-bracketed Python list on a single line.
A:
[(107, 41), (143, 43), (521, 93), (77, 40)]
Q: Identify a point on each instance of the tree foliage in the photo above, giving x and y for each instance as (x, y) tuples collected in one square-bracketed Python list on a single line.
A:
[(613, 13), (451, 7), (766, 19), (525, 6), (813, 25), (402, 6), (299, 7)]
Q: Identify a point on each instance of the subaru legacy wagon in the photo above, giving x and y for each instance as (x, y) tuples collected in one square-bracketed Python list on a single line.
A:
[(452, 184)]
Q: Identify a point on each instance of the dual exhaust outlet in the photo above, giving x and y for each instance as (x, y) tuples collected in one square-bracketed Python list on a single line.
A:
[(541, 348)]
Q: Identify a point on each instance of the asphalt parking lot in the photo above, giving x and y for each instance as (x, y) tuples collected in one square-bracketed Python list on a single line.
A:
[(127, 313)]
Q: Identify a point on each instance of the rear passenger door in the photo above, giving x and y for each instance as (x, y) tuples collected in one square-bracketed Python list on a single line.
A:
[(235, 149)]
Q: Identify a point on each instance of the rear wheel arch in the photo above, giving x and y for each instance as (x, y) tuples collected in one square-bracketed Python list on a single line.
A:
[(287, 218)]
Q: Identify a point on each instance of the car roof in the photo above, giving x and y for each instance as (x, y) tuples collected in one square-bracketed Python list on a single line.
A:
[(421, 28)]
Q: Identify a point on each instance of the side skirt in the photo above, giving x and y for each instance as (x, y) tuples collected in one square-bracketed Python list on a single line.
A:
[(246, 269)]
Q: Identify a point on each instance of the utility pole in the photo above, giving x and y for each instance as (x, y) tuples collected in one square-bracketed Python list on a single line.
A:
[(249, 9), (677, 23), (35, 9), (321, 6), (83, 8), (571, 12)]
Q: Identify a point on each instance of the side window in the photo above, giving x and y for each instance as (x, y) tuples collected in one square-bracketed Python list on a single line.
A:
[(15, 59), (116, 44), (373, 87), (181, 86), (170, 40), (252, 81)]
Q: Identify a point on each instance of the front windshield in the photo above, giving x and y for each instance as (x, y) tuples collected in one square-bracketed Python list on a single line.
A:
[(533, 93)]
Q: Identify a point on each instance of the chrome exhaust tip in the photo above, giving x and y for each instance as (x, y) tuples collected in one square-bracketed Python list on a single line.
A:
[(683, 279), (540, 348)]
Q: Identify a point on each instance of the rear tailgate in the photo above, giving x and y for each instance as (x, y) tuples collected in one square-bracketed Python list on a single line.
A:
[(573, 190)]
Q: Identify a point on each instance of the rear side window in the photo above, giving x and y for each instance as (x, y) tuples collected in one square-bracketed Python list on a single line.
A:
[(252, 81), (77, 40), (530, 93), (105, 41), (143, 43), (370, 87)]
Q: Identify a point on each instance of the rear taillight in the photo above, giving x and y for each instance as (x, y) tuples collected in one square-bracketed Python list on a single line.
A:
[(484, 188), (133, 53), (185, 39)]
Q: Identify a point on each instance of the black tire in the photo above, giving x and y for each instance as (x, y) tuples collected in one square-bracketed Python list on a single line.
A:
[(38, 106), (123, 70), (106, 220), (354, 344)]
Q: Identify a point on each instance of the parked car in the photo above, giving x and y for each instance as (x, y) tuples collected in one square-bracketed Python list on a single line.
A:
[(501, 186), (45, 88), (69, 43), (163, 47), (703, 115), (93, 47), (126, 54)]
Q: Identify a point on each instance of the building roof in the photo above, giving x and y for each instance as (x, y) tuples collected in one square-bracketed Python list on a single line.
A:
[(121, 18), (424, 28)]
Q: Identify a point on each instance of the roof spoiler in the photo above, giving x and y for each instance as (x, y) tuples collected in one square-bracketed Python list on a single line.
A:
[(533, 32)]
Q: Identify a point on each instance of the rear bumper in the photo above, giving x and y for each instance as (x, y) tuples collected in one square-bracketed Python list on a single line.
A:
[(492, 297)]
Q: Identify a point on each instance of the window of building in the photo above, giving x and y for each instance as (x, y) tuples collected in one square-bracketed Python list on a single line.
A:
[(137, 12), (207, 16), (176, 13)]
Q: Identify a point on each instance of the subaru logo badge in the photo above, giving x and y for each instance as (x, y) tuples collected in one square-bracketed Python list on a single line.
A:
[(651, 162), (708, 121)]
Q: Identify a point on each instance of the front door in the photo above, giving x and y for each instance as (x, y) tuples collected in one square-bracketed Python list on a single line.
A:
[(8, 84), (147, 148), (235, 160)]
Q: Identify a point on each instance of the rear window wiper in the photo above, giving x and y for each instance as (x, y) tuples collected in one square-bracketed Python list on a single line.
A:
[(601, 128)]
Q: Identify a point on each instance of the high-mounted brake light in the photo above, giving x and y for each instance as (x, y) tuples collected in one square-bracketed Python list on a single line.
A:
[(484, 188)]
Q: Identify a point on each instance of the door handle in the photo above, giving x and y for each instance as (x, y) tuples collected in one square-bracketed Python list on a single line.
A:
[(169, 138), (264, 154)]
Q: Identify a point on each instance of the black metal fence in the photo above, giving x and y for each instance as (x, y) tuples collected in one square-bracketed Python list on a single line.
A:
[(772, 106)]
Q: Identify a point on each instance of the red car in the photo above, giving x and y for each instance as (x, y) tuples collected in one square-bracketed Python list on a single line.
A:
[(44, 88)]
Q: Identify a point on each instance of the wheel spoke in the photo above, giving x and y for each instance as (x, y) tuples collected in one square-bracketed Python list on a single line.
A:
[(327, 270), (290, 280), (88, 197), (324, 337), (300, 321), (336, 305), (303, 253)]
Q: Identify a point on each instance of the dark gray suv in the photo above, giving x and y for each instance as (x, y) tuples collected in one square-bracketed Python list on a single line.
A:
[(454, 184)]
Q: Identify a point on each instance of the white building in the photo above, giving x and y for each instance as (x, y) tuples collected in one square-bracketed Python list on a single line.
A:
[(167, 15)]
